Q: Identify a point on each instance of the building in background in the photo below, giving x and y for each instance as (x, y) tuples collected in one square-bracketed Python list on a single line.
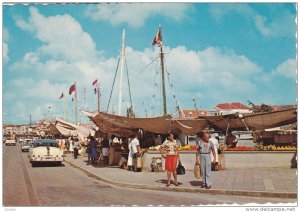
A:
[(229, 108)]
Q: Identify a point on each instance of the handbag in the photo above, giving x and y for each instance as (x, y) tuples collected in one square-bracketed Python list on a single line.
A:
[(215, 166), (197, 170), (180, 169)]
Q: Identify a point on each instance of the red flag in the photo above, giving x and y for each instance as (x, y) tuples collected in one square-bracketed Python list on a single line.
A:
[(62, 95), (72, 88), (95, 82)]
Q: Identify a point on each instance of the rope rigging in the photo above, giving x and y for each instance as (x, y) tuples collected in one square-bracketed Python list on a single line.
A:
[(177, 107), (113, 85)]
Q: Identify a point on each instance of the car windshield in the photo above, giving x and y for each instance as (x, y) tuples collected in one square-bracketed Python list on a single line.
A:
[(27, 142), (37, 144)]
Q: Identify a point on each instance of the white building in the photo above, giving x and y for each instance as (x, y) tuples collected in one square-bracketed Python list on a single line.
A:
[(229, 108)]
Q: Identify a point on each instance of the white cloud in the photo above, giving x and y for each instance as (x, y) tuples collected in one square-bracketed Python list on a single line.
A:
[(5, 49), (135, 14), (282, 22), (287, 69), (5, 52), (62, 34), (42, 89), (218, 11)]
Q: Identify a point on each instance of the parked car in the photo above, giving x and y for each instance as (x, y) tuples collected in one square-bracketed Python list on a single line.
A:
[(10, 141), (45, 151), (26, 145)]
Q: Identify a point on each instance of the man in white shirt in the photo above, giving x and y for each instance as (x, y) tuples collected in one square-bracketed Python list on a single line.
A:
[(76, 147), (134, 152)]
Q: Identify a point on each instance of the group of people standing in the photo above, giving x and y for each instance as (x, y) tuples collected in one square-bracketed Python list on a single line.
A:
[(112, 147), (71, 144)]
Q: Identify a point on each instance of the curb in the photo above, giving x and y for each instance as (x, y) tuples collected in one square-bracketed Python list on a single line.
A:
[(290, 195)]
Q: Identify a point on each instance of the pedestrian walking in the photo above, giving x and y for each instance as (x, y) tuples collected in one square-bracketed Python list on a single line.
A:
[(71, 149), (76, 147), (93, 150), (204, 149), (171, 149)]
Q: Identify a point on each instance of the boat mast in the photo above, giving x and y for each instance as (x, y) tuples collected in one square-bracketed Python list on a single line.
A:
[(163, 73), (76, 119), (122, 55)]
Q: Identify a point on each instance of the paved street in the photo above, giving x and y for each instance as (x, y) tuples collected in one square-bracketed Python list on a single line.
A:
[(70, 186)]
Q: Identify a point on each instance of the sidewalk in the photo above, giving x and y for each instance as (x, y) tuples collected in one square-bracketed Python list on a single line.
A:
[(259, 182)]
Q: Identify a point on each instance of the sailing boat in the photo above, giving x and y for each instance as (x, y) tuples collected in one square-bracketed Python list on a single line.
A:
[(161, 124), (186, 125)]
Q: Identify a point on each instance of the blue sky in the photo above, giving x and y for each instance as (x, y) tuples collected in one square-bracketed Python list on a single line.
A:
[(215, 53)]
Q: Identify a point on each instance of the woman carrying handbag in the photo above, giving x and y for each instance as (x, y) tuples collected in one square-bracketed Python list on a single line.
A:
[(171, 157)]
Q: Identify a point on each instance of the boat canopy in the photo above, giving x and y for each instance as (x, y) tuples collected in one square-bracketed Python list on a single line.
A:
[(190, 126)]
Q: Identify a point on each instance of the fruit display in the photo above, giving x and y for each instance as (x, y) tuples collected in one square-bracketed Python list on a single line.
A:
[(274, 148), (185, 147), (154, 148), (262, 148), (238, 148)]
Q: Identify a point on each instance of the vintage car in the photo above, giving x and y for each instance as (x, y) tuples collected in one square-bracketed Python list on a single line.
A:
[(10, 141), (45, 151), (26, 144)]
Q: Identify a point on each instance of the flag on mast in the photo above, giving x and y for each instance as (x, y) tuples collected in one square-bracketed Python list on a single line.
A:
[(62, 95), (157, 39), (72, 88), (95, 82), (95, 85)]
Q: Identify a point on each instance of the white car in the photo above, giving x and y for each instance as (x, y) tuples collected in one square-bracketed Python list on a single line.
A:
[(45, 151), (10, 142), (26, 145)]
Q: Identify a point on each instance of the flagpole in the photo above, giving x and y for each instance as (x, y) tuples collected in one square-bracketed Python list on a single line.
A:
[(62, 97), (98, 91), (65, 109), (75, 103)]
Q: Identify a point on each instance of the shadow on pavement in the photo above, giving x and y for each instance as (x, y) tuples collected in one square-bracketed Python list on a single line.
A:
[(196, 183)]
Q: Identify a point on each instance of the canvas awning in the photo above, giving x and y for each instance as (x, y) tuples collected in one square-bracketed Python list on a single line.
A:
[(67, 128), (255, 121), (161, 124)]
